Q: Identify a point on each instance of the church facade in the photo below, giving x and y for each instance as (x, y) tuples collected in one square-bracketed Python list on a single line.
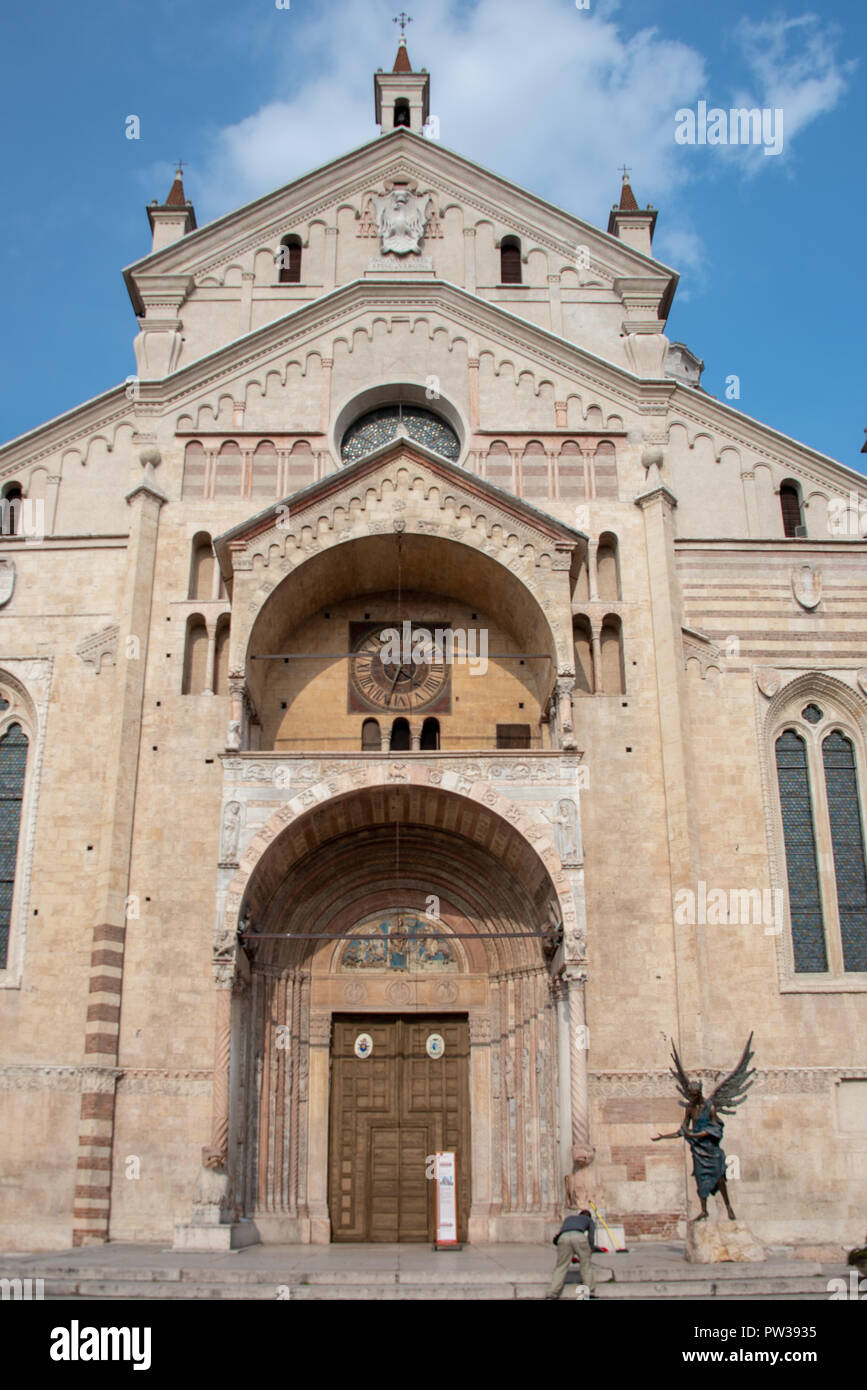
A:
[(280, 921)]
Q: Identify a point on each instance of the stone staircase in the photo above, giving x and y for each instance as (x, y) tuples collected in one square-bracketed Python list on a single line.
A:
[(305, 1273)]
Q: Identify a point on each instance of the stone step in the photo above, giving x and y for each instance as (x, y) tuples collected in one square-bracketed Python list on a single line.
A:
[(123, 1284)]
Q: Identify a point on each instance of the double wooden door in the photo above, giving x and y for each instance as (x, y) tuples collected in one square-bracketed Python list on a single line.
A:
[(391, 1108)]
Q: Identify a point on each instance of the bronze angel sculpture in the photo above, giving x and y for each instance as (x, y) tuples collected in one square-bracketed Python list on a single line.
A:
[(703, 1130)]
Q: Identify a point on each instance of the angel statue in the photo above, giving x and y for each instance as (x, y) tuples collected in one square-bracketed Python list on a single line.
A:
[(703, 1130)]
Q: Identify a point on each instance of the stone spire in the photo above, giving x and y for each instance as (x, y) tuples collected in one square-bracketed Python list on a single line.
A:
[(628, 222), (175, 217)]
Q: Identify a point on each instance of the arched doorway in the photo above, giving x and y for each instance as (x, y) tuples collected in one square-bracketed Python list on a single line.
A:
[(397, 913)]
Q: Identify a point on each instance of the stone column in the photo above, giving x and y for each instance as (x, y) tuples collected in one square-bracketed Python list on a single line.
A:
[(247, 278), (480, 1101), (317, 1129), (470, 259), (592, 576), (324, 402), (224, 973), (210, 663), (330, 277), (564, 1074), (748, 482), (238, 691), (473, 369), (596, 645), (556, 308), (579, 1098), (565, 723)]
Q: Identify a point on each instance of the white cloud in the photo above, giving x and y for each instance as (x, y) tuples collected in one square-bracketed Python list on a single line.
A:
[(552, 97)]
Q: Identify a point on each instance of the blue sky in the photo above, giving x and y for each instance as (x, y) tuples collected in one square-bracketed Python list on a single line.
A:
[(770, 248)]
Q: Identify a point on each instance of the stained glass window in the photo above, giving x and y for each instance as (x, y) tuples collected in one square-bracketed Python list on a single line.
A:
[(805, 902), (378, 427), (811, 713), (13, 764), (847, 839)]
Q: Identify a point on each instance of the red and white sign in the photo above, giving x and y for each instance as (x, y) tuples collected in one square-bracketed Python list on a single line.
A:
[(447, 1199)]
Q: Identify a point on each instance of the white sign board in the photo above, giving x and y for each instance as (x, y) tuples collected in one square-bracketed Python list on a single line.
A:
[(447, 1199)]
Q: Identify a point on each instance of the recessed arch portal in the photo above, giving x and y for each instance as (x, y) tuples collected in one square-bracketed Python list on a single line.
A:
[(465, 867)]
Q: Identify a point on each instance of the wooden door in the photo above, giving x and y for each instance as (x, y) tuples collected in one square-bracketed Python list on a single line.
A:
[(389, 1111)]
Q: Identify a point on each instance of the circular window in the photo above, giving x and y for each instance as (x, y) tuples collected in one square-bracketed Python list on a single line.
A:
[(378, 427)]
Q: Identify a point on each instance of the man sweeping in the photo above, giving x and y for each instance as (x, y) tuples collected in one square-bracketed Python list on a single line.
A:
[(576, 1237)]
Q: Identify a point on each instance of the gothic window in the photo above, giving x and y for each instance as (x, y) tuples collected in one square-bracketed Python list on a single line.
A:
[(400, 741), (371, 740), (510, 261), (790, 505), (805, 902), (290, 260), (818, 778), (847, 840), (13, 766), (430, 734)]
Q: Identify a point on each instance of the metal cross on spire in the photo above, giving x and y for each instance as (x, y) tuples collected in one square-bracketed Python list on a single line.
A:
[(624, 171), (403, 19)]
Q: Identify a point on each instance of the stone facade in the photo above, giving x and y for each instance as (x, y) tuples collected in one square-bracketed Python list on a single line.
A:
[(197, 805)]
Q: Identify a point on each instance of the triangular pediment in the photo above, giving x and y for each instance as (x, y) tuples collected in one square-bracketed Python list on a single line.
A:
[(448, 501), (205, 255)]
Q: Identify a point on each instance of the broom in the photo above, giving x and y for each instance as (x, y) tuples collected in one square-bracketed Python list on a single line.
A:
[(620, 1249)]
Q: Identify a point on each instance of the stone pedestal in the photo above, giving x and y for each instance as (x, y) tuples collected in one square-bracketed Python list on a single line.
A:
[(717, 1242), (210, 1227)]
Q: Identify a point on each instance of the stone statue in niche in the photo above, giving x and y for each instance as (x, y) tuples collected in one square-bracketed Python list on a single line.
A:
[(566, 829), (401, 217), (231, 832)]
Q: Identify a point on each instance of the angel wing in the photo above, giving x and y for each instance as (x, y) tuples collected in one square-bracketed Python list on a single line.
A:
[(680, 1076), (732, 1091)]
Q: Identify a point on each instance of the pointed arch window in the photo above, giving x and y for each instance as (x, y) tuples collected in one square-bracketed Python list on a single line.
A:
[(14, 746), (819, 788)]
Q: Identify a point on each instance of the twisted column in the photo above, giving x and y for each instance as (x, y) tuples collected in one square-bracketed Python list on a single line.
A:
[(222, 1052), (582, 1152)]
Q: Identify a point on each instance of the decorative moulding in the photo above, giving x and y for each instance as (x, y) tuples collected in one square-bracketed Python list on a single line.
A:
[(98, 646)]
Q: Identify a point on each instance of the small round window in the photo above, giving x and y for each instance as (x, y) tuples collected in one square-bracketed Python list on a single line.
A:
[(378, 427)]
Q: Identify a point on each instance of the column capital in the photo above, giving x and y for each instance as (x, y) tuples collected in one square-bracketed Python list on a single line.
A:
[(659, 493)]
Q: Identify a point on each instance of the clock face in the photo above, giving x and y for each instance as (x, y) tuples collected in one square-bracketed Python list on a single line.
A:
[(378, 683)]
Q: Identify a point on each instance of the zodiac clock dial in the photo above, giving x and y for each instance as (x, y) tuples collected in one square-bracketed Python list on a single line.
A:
[(385, 686)]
